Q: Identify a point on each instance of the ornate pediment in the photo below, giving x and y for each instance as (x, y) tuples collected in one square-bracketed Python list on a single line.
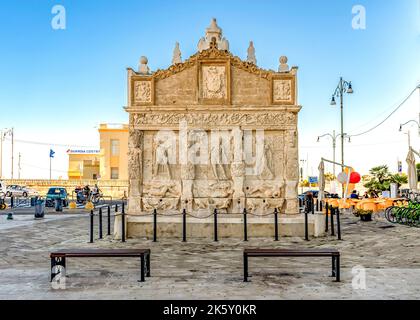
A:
[(213, 76), (213, 53)]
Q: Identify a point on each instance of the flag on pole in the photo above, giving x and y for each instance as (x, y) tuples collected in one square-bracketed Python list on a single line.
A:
[(52, 153)]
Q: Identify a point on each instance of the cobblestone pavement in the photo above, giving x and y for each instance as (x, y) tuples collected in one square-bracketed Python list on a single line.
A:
[(202, 269)]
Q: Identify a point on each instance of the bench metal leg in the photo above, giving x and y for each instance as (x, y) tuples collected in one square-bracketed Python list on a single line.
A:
[(337, 270), (148, 265), (245, 267), (142, 262), (333, 273)]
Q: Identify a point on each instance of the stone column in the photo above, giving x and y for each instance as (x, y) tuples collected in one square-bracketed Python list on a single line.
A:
[(238, 172), (187, 176), (135, 170), (292, 172)]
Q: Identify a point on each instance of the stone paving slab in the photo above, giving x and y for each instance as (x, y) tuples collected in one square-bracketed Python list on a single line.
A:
[(203, 269)]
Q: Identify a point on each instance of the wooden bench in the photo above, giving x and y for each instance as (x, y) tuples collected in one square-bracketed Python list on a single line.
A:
[(58, 258), (333, 253)]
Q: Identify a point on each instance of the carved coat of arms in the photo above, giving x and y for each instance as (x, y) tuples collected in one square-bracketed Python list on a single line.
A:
[(214, 83)]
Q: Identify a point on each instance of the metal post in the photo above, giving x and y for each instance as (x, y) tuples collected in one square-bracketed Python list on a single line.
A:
[(91, 226), (276, 225), (100, 223), (11, 201), (245, 227), (13, 141), (116, 207), (122, 206), (317, 204), (215, 225), (332, 220), (184, 225), (320, 206), (109, 221), (122, 225), (338, 224), (306, 226), (154, 224), (312, 206), (326, 217)]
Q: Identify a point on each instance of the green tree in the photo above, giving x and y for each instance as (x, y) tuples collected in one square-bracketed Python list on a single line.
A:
[(381, 179)]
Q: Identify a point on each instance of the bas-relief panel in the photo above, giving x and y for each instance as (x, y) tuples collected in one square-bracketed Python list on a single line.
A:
[(143, 91), (214, 82), (212, 186)]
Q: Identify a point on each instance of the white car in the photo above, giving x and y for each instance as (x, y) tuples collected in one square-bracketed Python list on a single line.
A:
[(3, 189), (20, 191)]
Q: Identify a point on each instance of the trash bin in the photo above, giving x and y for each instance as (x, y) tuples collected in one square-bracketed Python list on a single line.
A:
[(58, 205), (39, 208)]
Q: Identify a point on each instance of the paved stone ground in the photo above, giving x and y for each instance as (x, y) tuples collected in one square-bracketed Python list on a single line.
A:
[(201, 269)]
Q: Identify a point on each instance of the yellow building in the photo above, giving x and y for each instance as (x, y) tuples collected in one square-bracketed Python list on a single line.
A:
[(110, 162), (114, 149), (84, 164)]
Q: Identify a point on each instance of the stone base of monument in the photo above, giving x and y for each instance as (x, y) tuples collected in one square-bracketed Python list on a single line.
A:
[(228, 225)]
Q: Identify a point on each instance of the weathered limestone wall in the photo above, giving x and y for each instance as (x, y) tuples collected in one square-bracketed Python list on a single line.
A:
[(180, 89), (249, 89)]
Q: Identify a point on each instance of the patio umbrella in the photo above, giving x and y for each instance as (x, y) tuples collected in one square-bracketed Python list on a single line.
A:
[(412, 172), (321, 180)]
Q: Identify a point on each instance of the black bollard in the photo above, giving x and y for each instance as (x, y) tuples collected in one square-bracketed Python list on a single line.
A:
[(116, 207), (122, 206), (317, 204), (332, 220), (100, 223), (326, 217), (320, 205), (306, 226), (338, 224), (154, 224), (184, 225), (11, 201), (276, 225), (215, 225), (313, 206), (122, 225), (91, 227), (245, 227), (109, 221)]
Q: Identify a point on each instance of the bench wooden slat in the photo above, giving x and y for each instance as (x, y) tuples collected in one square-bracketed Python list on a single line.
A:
[(291, 252), (99, 252)]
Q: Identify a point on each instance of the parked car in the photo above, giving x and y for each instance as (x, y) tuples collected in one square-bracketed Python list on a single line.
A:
[(315, 194), (20, 191), (55, 193), (3, 189)]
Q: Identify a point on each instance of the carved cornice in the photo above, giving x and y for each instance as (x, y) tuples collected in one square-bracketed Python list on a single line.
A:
[(213, 119)]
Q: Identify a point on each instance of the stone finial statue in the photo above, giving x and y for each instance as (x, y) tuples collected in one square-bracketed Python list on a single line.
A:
[(213, 31), (284, 67), (176, 57), (143, 67), (251, 53)]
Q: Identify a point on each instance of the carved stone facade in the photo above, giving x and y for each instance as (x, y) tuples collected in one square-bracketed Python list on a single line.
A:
[(213, 132)]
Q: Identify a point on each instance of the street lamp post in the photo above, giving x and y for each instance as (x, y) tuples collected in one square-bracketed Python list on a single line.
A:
[(334, 143), (302, 161), (342, 87), (3, 136)]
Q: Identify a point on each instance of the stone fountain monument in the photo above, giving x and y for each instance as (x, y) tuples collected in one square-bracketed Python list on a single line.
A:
[(213, 132)]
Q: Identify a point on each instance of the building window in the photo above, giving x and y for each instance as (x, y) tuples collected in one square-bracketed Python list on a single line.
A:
[(114, 173), (115, 147)]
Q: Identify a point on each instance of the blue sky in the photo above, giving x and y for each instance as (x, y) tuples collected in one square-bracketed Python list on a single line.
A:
[(57, 85)]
